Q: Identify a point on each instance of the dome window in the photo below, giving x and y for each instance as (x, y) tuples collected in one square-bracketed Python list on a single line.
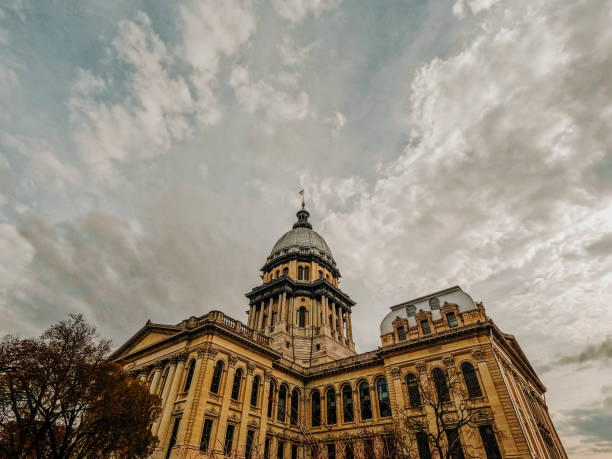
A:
[(434, 303), (410, 310)]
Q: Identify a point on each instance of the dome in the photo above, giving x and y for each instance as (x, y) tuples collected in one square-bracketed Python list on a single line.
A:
[(302, 237)]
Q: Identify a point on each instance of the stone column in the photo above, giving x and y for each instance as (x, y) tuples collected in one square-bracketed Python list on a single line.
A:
[(156, 376), (349, 327), (169, 407), (189, 413), (246, 407), (334, 317), (341, 312), (263, 424), (250, 320), (164, 395), (269, 318), (283, 314), (225, 402), (198, 422), (325, 310), (260, 315)]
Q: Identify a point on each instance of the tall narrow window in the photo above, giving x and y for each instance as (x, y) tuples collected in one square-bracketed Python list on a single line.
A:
[(204, 442), (423, 445), (255, 391), (306, 273), (295, 400), (368, 448), (401, 333), (282, 403), (267, 448), (414, 394), (190, 370), (236, 385), (425, 327), (271, 399), (451, 319), (280, 450), (248, 449), (471, 380), (441, 387), (216, 379), (163, 383), (489, 441), (294, 451), (300, 273), (384, 403), (175, 428), (347, 404), (331, 406), (349, 452), (454, 444), (388, 447), (316, 409), (229, 439), (302, 317), (331, 451), (364, 400)]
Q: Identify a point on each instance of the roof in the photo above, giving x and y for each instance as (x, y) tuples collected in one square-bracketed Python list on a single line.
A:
[(302, 237)]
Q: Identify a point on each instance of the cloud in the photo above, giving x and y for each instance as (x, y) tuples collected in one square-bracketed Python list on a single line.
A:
[(298, 10), (291, 54)]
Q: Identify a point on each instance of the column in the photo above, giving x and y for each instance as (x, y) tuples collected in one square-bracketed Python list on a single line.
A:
[(169, 408), (325, 310), (223, 415), (396, 384), (283, 314), (341, 322), (250, 316), (263, 423), (164, 395), (189, 414), (349, 327), (260, 315), (156, 376), (315, 312), (198, 422), (269, 318), (246, 408), (334, 318)]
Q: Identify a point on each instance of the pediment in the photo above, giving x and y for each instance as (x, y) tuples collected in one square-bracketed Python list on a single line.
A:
[(145, 337)]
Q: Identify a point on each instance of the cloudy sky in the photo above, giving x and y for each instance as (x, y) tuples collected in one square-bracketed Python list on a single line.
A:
[(151, 153)]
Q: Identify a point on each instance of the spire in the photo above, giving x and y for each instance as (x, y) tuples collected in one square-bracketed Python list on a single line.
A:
[(302, 218)]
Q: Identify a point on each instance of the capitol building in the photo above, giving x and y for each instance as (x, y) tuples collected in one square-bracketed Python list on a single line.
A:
[(287, 382)]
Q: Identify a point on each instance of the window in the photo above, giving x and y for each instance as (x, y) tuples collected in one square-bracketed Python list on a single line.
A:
[(277, 273), (280, 450), (388, 448), (306, 273), (255, 391), (294, 452), (172, 442), (349, 453), (454, 444), (316, 409), (441, 387), (300, 273), (229, 439), (471, 380), (285, 271), (282, 403), (414, 393), (302, 317), (267, 448), (320, 274), (248, 449), (163, 383), (190, 370), (401, 333), (451, 319), (347, 404), (236, 385), (489, 442), (410, 310), (208, 423), (364, 399), (434, 303), (216, 379), (331, 451), (295, 400), (423, 445), (271, 399), (368, 448), (331, 406), (384, 403), (425, 327)]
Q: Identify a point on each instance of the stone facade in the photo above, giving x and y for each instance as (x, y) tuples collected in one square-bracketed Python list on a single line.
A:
[(290, 376)]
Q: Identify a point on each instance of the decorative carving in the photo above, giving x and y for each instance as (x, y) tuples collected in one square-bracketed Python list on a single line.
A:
[(211, 412), (448, 361), (233, 418), (159, 364), (202, 351), (479, 355), (212, 353), (250, 368), (182, 357), (421, 367), (231, 361), (267, 376), (253, 424), (396, 373), (192, 322)]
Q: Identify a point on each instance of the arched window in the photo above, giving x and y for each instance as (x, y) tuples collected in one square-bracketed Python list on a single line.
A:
[(331, 406), (316, 409), (441, 387), (189, 377), (434, 303), (271, 398), (384, 403), (216, 379), (255, 391), (236, 385), (300, 273), (285, 271), (282, 403), (471, 380), (364, 400), (306, 273), (302, 317), (414, 394), (295, 400), (347, 404)]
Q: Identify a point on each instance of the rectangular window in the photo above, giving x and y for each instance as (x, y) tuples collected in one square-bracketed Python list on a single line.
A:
[(490, 442), (423, 445), (294, 451), (349, 453), (388, 452), (425, 327), (331, 451), (175, 429), (280, 450), (368, 448), (248, 449), (208, 423), (401, 334), (451, 319), (454, 444), (229, 439), (267, 448)]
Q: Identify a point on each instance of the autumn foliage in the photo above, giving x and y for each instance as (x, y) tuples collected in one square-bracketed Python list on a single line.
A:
[(61, 398)]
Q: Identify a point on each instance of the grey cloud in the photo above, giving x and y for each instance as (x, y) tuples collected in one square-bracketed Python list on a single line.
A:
[(601, 247)]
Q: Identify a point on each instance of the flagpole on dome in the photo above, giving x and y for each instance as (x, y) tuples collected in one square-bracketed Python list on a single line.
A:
[(301, 193)]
